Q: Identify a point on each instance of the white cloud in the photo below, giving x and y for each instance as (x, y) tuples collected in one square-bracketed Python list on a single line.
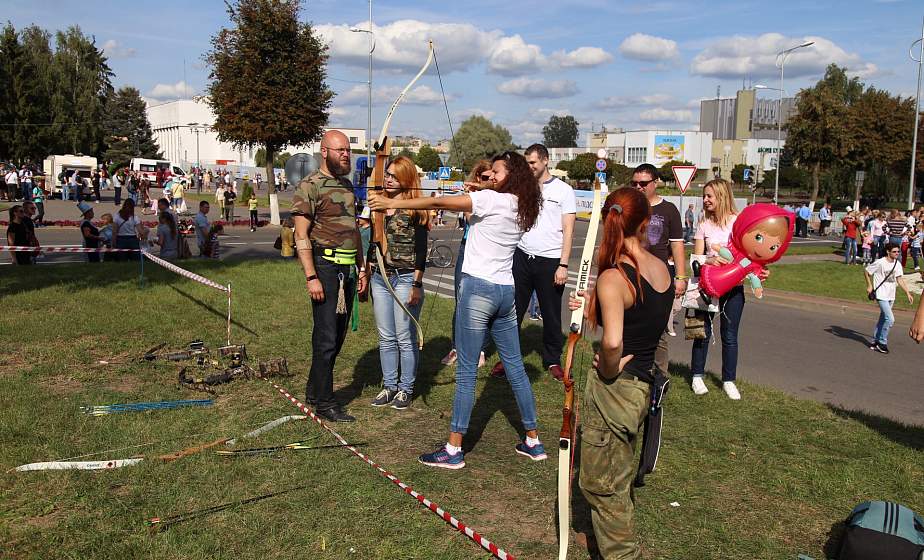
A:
[(465, 114), (172, 91), (112, 49), (620, 102), (419, 95), (734, 57), (581, 57), (640, 46), (529, 87), (659, 115), (402, 46)]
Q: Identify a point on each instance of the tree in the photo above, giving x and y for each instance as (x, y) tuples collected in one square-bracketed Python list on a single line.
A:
[(428, 159), (267, 80), (33, 86), (406, 152), (279, 162), (737, 173), (666, 173), (128, 132), (560, 132), (478, 138), (10, 54), (583, 167)]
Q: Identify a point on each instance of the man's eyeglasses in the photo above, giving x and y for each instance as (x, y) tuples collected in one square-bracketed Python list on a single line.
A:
[(338, 150), (641, 184)]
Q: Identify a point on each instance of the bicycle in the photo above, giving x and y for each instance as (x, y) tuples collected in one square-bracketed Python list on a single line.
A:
[(439, 254)]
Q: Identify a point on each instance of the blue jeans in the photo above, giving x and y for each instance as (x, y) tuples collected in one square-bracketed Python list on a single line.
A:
[(457, 281), (731, 305), (486, 307), (886, 320), (397, 333), (916, 255), (850, 250)]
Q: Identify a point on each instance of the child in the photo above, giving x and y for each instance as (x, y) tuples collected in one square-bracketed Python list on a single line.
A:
[(212, 247), (916, 242), (252, 204), (867, 246)]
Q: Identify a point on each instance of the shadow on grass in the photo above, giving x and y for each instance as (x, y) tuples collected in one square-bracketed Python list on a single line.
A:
[(902, 434), (684, 371), (849, 334), (223, 314)]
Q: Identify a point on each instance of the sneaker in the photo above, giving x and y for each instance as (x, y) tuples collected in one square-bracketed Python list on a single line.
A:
[(881, 348), (498, 370), (401, 401), (384, 397), (536, 452), (442, 459), (557, 372), (671, 331), (534, 317), (481, 360), (334, 415), (874, 346), (699, 386), (449, 358), (731, 390)]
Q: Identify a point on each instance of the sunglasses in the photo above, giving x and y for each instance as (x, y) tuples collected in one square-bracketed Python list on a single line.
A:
[(642, 184), (485, 177)]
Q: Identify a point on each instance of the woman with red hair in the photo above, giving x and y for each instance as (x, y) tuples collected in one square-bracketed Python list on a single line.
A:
[(631, 301), (405, 261)]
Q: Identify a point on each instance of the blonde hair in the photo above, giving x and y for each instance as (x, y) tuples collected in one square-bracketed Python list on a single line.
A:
[(724, 202)]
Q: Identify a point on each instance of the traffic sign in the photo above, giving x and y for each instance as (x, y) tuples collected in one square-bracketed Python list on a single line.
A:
[(601, 153), (601, 164), (601, 176), (444, 174), (683, 174), (747, 175)]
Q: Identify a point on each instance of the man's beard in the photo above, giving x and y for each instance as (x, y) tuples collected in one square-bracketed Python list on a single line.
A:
[(335, 167)]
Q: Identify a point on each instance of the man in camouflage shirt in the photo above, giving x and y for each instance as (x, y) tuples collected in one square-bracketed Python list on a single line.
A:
[(329, 248)]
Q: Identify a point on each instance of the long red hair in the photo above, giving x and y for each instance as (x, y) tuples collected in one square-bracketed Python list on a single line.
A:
[(625, 214), (406, 173)]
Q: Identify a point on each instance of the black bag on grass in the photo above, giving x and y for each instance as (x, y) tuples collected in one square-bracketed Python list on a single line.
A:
[(883, 531)]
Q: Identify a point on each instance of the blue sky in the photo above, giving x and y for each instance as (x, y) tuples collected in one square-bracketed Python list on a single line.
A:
[(620, 64)]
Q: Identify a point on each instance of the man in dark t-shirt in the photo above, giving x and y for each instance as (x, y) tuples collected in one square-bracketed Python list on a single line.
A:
[(665, 240)]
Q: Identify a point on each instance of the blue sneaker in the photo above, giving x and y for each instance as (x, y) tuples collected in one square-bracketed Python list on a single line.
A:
[(441, 458), (536, 452)]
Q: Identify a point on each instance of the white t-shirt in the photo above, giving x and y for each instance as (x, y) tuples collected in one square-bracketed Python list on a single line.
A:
[(12, 178), (492, 237), (125, 227), (881, 268), (545, 238), (713, 234)]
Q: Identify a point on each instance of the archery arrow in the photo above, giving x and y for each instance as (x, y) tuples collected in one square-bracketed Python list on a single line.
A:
[(379, 241), (568, 425)]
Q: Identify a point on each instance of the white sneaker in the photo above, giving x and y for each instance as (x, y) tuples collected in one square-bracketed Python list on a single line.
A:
[(731, 390), (699, 386), (450, 358), (481, 360)]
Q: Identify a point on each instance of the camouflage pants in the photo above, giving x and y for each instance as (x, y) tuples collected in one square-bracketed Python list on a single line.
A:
[(613, 416)]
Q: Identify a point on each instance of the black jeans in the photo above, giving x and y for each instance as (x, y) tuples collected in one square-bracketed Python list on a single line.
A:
[(538, 273), (329, 332), (253, 218)]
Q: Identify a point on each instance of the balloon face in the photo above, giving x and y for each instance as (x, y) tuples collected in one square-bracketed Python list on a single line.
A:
[(762, 242)]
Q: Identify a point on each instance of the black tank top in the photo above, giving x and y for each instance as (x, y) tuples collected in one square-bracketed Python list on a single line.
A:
[(643, 324)]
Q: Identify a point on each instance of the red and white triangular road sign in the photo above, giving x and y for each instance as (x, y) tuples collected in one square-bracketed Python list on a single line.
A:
[(683, 174)]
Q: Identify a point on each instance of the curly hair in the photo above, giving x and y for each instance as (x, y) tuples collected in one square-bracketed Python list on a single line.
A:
[(522, 183)]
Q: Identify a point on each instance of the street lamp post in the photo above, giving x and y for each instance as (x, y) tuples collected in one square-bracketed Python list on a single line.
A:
[(195, 128), (917, 115), (780, 63), (369, 85)]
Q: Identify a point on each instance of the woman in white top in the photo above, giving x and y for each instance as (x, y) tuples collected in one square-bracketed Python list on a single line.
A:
[(127, 231), (499, 216), (719, 214)]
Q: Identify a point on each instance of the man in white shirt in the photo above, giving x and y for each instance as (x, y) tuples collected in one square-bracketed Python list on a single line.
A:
[(824, 217), (540, 262), (25, 181), (12, 183)]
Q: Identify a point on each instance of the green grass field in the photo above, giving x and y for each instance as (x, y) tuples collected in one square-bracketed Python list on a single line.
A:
[(829, 279), (767, 477)]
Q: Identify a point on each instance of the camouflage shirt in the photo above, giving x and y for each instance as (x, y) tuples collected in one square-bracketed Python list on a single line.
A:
[(401, 233), (328, 203)]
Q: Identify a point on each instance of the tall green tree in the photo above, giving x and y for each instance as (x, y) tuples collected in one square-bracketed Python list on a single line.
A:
[(666, 173), (259, 158), (560, 132), (33, 85), (267, 81), (10, 54), (127, 130), (880, 127), (478, 138), (428, 159)]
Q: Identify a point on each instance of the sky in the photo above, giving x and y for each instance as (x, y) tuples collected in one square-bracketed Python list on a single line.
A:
[(619, 64)]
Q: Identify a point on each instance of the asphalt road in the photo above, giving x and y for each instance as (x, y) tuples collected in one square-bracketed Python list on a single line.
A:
[(808, 349)]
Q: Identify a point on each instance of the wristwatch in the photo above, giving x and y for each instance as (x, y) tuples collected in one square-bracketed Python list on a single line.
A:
[(312, 277), (417, 284), (560, 265)]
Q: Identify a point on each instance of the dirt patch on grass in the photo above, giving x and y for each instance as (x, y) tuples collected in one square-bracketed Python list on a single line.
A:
[(62, 385)]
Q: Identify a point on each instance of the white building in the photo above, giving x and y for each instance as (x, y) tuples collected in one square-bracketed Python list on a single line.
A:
[(177, 125), (557, 155), (657, 147)]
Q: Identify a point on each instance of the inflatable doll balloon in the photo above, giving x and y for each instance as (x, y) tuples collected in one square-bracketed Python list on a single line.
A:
[(760, 236)]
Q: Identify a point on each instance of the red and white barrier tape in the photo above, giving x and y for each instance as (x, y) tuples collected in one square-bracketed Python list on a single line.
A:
[(54, 249), (445, 515), (185, 273)]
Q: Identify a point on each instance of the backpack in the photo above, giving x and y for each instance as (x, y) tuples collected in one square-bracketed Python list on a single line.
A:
[(882, 531)]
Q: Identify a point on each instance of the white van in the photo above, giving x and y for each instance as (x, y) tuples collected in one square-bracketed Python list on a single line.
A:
[(56, 166), (149, 167)]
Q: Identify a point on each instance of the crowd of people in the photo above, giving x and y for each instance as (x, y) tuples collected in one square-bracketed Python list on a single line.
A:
[(871, 231)]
